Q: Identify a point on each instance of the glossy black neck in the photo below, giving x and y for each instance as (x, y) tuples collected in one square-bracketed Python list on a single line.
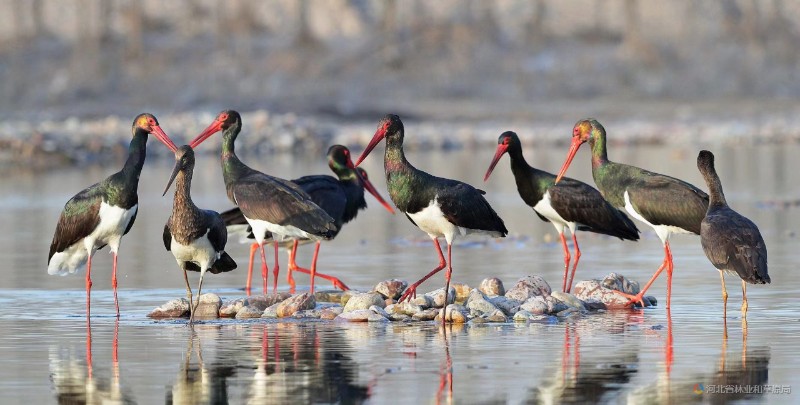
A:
[(394, 158), (715, 195), (137, 151), (232, 167), (599, 152)]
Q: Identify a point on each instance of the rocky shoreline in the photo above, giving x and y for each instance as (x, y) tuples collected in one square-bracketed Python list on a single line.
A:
[(54, 143), (529, 299)]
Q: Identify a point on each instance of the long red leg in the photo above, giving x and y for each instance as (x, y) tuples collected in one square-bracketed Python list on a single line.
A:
[(670, 266), (412, 289), (114, 282), (447, 274), (669, 353), (264, 269), (314, 265), (292, 266), (89, 348), (275, 269), (253, 249), (336, 282), (89, 284), (575, 263), (566, 261), (115, 350), (665, 264)]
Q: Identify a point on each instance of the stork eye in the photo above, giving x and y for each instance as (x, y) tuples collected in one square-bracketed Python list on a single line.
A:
[(223, 117)]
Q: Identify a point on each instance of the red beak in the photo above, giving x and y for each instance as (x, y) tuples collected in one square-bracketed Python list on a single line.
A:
[(212, 129), (161, 136), (369, 187), (501, 149), (379, 135), (573, 149)]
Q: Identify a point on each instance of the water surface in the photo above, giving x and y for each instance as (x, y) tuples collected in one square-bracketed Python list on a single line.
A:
[(636, 356)]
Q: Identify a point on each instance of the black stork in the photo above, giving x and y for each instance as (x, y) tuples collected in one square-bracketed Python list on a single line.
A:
[(341, 197), (667, 204), (439, 207), (570, 204), (103, 212), (269, 204), (731, 242), (196, 237)]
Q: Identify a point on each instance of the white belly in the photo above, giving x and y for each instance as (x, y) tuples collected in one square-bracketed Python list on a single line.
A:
[(113, 222), (280, 232), (199, 252), (663, 231), (545, 209), (431, 220)]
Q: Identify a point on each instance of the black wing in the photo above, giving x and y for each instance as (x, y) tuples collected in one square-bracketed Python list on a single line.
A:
[(664, 200), (78, 219), (732, 242), (281, 202), (167, 236), (327, 193), (233, 216), (579, 202), (224, 264), (464, 206), (217, 233)]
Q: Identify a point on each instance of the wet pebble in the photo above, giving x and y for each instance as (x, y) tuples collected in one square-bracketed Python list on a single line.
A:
[(478, 304), (438, 296), (296, 303), (232, 307), (534, 305), (361, 315), (177, 308), (509, 306), (347, 295), (378, 310), (605, 290), (249, 313), (329, 296), (391, 289), (525, 316), (330, 312), (454, 313), (270, 312), (426, 315), (527, 287), (364, 301), (399, 317), (405, 308), (569, 300), (423, 301), (492, 287), (208, 306), (462, 292)]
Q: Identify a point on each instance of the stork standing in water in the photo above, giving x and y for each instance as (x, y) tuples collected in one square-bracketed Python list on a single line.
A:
[(102, 213), (667, 204), (439, 207), (271, 205), (342, 197), (731, 242), (569, 204), (196, 237)]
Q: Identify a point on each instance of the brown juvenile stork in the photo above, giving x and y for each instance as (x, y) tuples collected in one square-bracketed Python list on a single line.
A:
[(196, 237), (731, 242)]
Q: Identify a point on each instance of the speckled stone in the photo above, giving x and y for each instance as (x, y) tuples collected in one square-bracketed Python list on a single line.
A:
[(177, 308), (271, 311), (399, 317), (527, 287), (361, 315), (405, 308), (330, 312), (525, 316), (364, 301), (329, 296), (554, 306), (392, 289), (347, 295), (378, 310), (296, 303), (438, 296), (605, 291), (492, 287)]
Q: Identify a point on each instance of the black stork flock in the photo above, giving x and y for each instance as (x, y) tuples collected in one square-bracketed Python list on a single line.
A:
[(342, 197), (314, 208)]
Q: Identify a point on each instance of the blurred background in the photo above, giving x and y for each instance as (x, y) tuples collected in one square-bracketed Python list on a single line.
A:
[(305, 68)]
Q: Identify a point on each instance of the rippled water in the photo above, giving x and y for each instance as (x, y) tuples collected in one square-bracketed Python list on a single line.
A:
[(633, 356)]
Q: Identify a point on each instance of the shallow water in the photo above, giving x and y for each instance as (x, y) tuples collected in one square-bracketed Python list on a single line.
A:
[(633, 356)]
